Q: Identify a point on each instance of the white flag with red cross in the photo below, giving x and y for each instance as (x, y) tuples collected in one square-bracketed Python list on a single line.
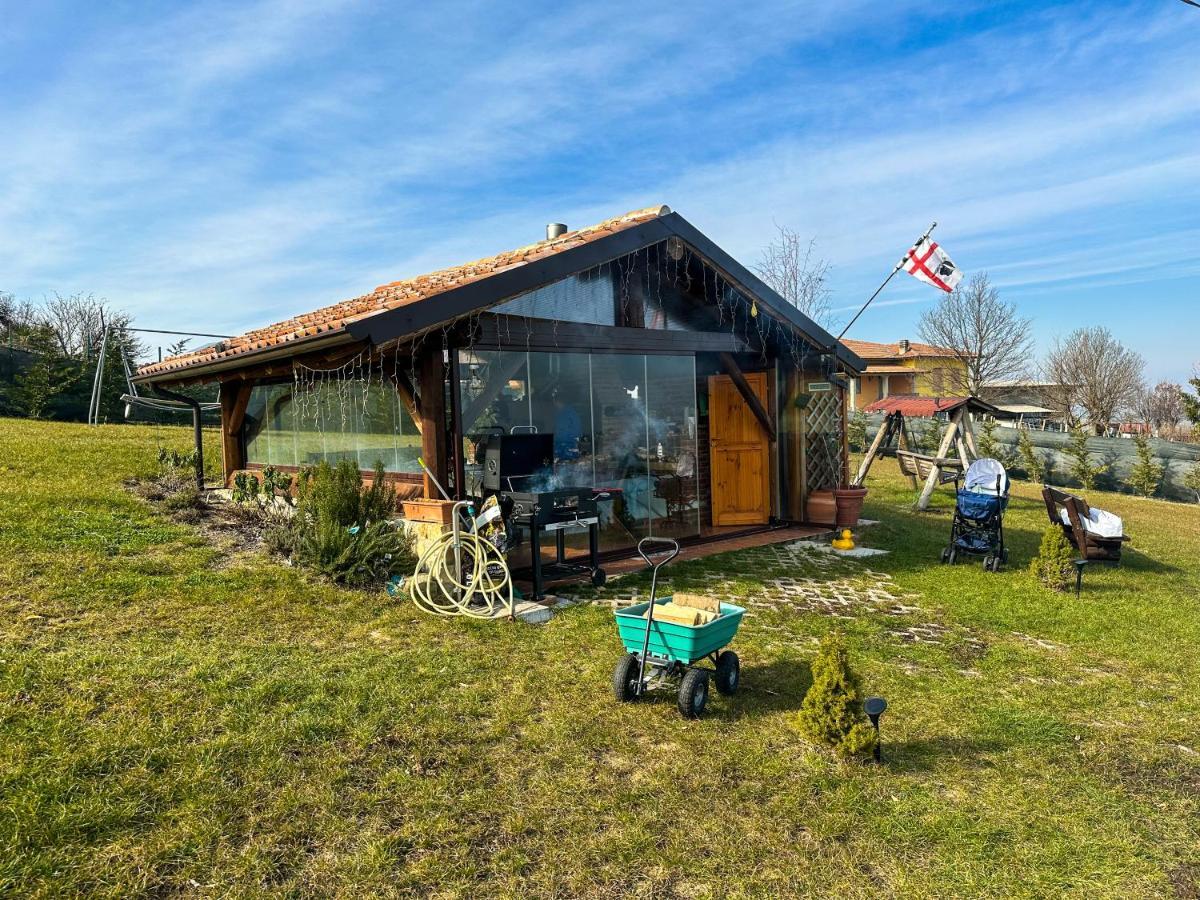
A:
[(930, 263)]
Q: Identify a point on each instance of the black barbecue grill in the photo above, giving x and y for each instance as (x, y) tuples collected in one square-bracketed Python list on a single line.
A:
[(520, 469)]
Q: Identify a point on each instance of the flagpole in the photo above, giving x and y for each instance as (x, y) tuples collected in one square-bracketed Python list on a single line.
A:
[(899, 266)]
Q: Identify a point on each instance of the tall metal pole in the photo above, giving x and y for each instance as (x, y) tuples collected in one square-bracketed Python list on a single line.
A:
[(94, 404), (899, 266)]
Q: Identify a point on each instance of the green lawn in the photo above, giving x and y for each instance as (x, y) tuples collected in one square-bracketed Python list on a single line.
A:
[(175, 720)]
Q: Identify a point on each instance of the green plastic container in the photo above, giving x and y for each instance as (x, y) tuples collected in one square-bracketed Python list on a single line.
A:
[(678, 642)]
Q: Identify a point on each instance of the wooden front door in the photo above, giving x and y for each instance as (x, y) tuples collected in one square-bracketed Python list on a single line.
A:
[(739, 453)]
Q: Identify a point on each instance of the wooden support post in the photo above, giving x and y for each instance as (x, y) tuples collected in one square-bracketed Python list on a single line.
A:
[(235, 397), (432, 375), (935, 471), (793, 417), (969, 436), (904, 443), (882, 439), (729, 364)]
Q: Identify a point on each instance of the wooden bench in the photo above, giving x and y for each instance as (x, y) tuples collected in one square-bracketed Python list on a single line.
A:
[(919, 465), (1091, 547)]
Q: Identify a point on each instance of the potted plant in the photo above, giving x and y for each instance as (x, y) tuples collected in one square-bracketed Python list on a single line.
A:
[(848, 501)]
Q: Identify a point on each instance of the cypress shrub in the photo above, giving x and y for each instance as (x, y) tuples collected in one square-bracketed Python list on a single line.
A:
[(832, 711), (1146, 474), (1035, 468), (1054, 564)]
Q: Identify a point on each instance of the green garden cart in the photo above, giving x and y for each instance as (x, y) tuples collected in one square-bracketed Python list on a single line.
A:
[(659, 652)]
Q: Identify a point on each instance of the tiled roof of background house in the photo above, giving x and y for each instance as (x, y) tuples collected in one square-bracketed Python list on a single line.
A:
[(331, 319), (869, 350)]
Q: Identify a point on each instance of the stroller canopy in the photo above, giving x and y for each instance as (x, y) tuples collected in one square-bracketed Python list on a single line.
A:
[(987, 476)]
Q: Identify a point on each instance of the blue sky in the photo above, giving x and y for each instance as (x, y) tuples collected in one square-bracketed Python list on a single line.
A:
[(222, 165)]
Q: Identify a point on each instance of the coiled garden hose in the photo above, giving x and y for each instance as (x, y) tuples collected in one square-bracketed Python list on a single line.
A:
[(462, 574)]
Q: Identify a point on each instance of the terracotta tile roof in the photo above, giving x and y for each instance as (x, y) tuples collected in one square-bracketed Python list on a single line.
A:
[(330, 320), (893, 370), (869, 350), (925, 407)]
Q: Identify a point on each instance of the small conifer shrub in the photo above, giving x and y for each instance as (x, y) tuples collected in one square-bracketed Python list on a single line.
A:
[(1083, 467), (1035, 468), (832, 711), (1054, 563), (1146, 474)]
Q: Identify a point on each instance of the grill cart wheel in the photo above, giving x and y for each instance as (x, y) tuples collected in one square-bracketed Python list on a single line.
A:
[(625, 678), (953, 555), (987, 564), (729, 672), (599, 577), (693, 693), (945, 555), (995, 560)]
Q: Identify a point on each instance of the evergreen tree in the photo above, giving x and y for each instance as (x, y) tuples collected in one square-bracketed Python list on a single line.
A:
[(1192, 480), (1084, 469), (1035, 468), (1054, 562), (1146, 474), (47, 375), (832, 711), (989, 447)]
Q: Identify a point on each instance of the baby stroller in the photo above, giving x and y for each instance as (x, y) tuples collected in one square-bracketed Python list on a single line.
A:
[(978, 526)]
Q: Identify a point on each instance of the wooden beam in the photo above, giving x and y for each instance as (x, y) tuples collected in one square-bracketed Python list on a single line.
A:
[(935, 471), (492, 388), (883, 438), (237, 412), (432, 375), (233, 395), (729, 364), (408, 397)]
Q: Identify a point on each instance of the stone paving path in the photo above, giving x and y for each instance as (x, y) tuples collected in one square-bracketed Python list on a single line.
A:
[(818, 583)]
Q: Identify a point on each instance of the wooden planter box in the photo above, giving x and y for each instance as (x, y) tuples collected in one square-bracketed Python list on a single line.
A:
[(437, 512)]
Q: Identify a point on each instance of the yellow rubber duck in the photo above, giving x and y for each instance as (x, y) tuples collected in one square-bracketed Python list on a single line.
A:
[(845, 542)]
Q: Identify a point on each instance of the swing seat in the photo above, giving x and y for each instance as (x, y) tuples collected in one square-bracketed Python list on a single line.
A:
[(919, 465)]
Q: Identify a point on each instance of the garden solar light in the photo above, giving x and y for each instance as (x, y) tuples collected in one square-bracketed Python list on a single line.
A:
[(874, 707)]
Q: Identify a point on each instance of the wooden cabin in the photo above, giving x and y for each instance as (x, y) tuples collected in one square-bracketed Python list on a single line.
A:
[(662, 366)]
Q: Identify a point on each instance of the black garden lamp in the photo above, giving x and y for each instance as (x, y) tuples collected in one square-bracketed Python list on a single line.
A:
[(874, 707)]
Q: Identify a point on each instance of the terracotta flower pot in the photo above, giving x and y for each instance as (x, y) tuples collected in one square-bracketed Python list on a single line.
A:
[(849, 503), (821, 508)]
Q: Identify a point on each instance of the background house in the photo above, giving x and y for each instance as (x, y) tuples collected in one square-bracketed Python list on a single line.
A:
[(906, 368)]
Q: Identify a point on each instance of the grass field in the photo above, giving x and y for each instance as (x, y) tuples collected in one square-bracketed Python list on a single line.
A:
[(177, 720)]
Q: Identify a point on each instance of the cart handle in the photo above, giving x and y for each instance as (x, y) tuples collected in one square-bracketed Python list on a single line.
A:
[(670, 547)]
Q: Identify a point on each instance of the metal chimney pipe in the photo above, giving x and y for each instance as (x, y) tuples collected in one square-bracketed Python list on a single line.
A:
[(555, 230)]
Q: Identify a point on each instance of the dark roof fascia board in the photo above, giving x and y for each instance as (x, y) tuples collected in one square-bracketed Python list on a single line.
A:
[(408, 321)]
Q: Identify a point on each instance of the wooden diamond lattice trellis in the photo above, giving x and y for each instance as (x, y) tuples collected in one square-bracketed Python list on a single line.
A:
[(824, 421)]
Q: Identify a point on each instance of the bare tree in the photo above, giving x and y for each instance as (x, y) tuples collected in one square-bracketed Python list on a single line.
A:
[(788, 265), (1162, 407), (987, 336), (1091, 371), (77, 320)]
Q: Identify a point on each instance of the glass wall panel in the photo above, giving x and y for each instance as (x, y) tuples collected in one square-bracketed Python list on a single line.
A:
[(621, 438), (674, 471), (331, 420), (626, 422)]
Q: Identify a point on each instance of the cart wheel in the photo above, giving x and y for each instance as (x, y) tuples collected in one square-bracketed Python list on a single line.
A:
[(729, 671), (945, 555), (693, 693), (953, 555), (996, 563), (987, 564), (599, 577), (625, 678)]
